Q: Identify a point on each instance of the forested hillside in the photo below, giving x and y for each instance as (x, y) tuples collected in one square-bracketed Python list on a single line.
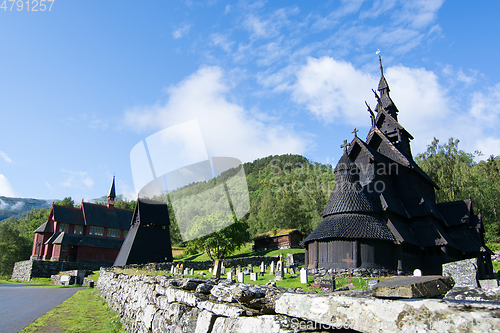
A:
[(459, 176), (19, 207)]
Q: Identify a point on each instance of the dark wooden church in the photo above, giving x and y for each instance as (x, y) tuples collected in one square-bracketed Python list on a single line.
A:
[(148, 239), (382, 213)]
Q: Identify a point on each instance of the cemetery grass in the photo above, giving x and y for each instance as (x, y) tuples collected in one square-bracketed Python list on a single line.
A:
[(290, 281), (85, 311)]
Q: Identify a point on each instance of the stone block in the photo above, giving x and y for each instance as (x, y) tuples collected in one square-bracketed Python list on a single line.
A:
[(488, 284), (463, 272), (221, 309), (260, 324), (474, 294), (206, 321), (382, 315), (413, 287)]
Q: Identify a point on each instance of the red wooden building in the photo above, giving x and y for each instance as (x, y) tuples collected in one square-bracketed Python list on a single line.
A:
[(281, 239), (91, 232)]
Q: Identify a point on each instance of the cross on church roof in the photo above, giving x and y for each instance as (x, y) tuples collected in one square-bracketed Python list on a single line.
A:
[(345, 146), (355, 131)]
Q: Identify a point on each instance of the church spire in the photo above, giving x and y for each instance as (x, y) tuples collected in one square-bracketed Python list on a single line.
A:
[(111, 196), (384, 101)]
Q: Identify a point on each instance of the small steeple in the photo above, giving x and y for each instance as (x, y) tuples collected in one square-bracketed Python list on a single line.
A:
[(111, 196), (383, 87)]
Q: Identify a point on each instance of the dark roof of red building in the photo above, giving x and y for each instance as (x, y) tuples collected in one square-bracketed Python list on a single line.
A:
[(45, 227), (101, 216), (80, 240), (69, 215), (114, 243), (65, 238)]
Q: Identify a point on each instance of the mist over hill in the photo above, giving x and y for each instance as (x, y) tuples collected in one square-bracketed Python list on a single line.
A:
[(19, 207)]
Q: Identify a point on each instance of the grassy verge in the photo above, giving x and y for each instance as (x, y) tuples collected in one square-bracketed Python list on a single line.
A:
[(46, 281), (85, 311)]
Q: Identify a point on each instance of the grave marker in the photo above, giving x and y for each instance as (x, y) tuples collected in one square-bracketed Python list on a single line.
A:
[(303, 276), (217, 269)]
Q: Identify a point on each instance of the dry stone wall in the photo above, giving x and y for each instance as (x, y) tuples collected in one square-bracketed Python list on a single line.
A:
[(28, 269), (172, 304)]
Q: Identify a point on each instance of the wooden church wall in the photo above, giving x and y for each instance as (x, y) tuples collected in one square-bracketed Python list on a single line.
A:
[(366, 253)]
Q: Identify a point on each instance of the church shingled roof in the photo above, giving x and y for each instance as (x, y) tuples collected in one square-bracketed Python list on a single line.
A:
[(100, 216), (69, 215), (349, 196), (351, 226)]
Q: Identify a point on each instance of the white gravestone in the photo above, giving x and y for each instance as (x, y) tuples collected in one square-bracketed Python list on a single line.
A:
[(303, 276)]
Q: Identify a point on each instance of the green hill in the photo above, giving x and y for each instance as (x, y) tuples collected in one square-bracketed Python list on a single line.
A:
[(19, 207)]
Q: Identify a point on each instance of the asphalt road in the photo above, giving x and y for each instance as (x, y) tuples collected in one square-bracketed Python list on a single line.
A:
[(20, 305)]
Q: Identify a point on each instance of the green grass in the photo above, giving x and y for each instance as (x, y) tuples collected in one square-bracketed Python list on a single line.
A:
[(493, 246), (85, 311), (95, 276), (290, 281), (46, 281)]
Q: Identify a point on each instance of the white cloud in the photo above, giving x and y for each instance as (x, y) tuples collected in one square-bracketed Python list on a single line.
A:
[(271, 25), (221, 41), (334, 90), (227, 128), (425, 108), (418, 13), (181, 31), (77, 179), (5, 157), (6, 189), (228, 9), (17, 206)]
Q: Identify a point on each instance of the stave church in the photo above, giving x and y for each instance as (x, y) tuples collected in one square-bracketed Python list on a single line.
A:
[(382, 213)]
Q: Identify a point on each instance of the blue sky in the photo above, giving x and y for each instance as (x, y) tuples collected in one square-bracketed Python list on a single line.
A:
[(81, 85)]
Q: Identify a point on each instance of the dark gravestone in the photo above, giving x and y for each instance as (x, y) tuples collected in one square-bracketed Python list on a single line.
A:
[(326, 281), (413, 287)]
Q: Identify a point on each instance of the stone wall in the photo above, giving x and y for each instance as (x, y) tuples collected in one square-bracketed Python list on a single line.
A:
[(171, 304), (28, 269)]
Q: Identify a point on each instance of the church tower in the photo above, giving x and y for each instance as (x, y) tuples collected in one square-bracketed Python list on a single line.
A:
[(111, 196)]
